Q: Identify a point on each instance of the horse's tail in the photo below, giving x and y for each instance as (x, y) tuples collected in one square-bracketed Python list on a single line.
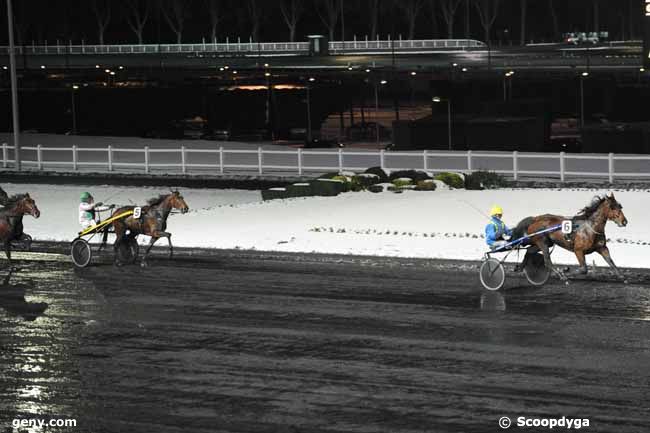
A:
[(522, 228)]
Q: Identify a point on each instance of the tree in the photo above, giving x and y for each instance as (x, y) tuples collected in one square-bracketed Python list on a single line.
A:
[(449, 8), (433, 11), (291, 12), (102, 11), (487, 13), (137, 17), (411, 10), (329, 15), (523, 6), (214, 11), (373, 8), (254, 9), (556, 27), (175, 14)]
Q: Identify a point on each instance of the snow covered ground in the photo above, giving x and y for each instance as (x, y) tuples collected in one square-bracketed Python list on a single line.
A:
[(441, 224)]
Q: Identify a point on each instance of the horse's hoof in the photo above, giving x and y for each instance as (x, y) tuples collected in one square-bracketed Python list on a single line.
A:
[(143, 265)]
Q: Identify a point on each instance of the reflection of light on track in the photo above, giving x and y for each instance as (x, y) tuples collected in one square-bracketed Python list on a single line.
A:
[(37, 257)]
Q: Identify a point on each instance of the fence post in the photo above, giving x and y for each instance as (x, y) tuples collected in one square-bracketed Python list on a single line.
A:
[(146, 159), (183, 169), (340, 160), (469, 161), (300, 161), (381, 159), (74, 157), (4, 155), (110, 157), (259, 160), (610, 161), (562, 166), (39, 156), (221, 159), (515, 165), (425, 160)]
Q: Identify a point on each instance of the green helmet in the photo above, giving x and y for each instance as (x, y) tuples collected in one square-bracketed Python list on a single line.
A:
[(85, 197)]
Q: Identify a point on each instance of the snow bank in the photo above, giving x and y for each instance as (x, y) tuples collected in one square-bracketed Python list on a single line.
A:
[(440, 224)]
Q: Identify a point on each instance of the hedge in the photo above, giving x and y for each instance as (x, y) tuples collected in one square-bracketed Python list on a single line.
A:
[(452, 179), (415, 175), (484, 180), (380, 172)]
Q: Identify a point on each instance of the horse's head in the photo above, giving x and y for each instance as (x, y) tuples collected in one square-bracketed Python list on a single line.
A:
[(28, 206), (178, 202), (615, 211)]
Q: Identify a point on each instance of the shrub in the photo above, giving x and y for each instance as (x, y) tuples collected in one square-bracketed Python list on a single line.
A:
[(426, 185), (376, 188), (365, 180), (329, 175), (452, 179), (411, 174), (383, 176), (299, 190), (484, 180), (402, 182), (327, 187), (274, 193)]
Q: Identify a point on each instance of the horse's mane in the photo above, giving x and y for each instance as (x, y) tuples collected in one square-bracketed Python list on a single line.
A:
[(12, 201), (157, 200), (3, 196), (592, 207)]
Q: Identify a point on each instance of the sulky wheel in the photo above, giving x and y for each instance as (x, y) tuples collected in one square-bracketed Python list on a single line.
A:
[(536, 271), (127, 251), (492, 274), (81, 253)]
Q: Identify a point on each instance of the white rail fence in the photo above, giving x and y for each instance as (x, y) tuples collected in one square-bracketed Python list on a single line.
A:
[(245, 47), (238, 161)]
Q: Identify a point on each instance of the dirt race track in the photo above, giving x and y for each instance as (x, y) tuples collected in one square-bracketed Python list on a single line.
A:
[(253, 342)]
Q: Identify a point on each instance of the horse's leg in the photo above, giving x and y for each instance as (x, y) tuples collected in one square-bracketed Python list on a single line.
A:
[(549, 264), (530, 251), (169, 239), (604, 252), (581, 261), (8, 253), (146, 253)]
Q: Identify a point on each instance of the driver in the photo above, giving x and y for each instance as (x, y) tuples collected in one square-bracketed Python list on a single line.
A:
[(497, 234), (88, 209)]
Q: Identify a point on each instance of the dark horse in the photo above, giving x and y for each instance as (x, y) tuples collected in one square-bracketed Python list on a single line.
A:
[(586, 237), (11, 220), (153, 221)]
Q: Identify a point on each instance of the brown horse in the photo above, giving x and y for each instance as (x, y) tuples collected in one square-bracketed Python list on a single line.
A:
[(587, 235), (153, 221), (11, 220)]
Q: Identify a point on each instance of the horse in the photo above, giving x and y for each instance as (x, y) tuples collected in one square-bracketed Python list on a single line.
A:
[(3, 197), (153, 222), (11, 220), (587, 235)]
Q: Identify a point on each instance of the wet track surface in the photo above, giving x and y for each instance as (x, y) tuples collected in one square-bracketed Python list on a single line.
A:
[(252, 342)]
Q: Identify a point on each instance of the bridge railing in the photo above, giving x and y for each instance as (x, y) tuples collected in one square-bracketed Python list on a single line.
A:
[(260, 161), (244, 47)]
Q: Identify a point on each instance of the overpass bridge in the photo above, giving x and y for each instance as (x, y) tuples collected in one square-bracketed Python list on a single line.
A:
[(400, 55)]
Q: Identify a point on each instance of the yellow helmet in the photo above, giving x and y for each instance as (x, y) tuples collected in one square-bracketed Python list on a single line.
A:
[(496, 210)]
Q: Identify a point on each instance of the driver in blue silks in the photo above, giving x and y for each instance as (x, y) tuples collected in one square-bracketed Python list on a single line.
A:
[(497, 234)]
